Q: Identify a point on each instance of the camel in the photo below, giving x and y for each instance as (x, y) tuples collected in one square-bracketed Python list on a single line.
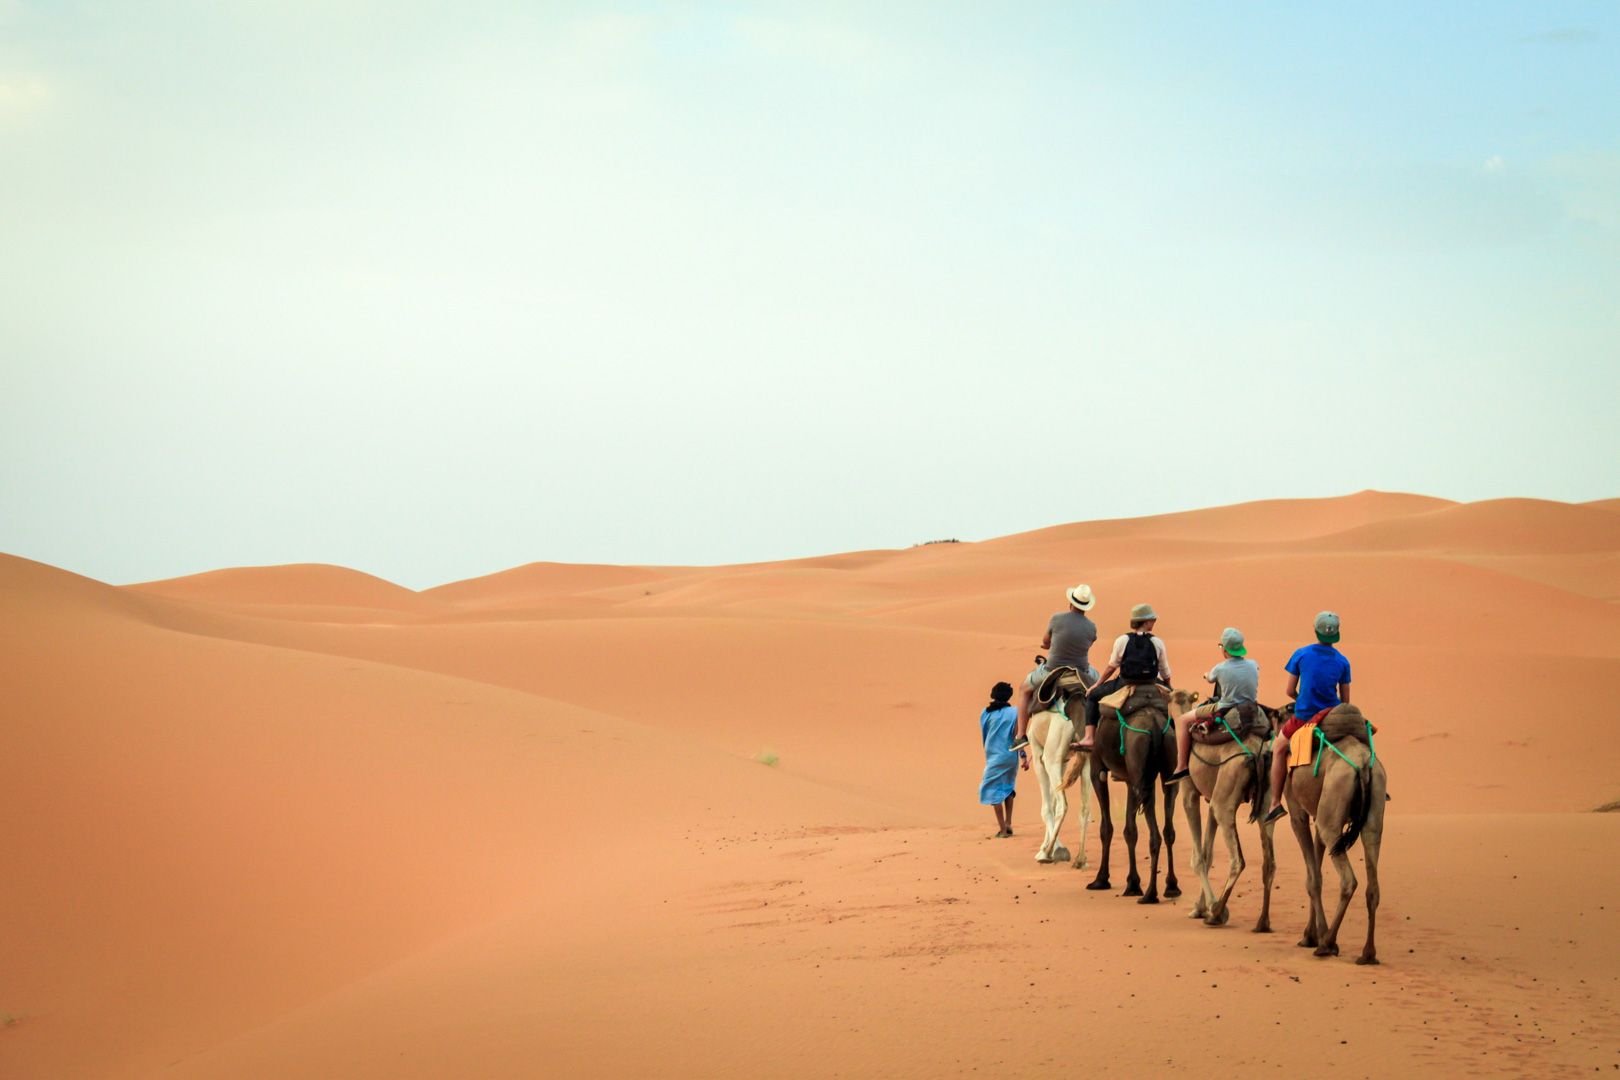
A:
[(1330, 808), (1131, 747), (1226, 775), (1057, 767)]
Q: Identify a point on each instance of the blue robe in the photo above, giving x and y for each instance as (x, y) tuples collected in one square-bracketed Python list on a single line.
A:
[(1000, 764)]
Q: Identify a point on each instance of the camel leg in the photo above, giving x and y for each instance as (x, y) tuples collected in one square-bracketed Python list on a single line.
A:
[(1224, 809), (1085, 813), (1060, 811), (1105, 827), (1191, 806), (1313, 873), (1370, 839), (1043, 854), (1347, 892), (1150, 811), (1172, 888), (1268, 872), (1318, 909), (1137, 787), (1133, 880), (1054, 805)]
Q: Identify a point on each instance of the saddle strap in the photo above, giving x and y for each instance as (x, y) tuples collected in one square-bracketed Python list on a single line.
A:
[(1222, 718)]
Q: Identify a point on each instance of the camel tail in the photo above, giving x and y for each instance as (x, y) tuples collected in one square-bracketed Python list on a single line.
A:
[(1360, 807), (1073, 768), (1259, 781)]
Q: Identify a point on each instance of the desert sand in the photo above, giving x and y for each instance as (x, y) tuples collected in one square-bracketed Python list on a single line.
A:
[(298, 821)]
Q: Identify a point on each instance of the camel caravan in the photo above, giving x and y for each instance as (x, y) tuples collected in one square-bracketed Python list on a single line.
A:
[(1312, 760)]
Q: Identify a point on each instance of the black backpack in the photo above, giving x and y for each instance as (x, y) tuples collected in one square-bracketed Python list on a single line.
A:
[(1140, 662)]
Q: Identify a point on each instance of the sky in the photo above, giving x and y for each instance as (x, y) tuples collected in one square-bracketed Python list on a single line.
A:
[(432, 290)]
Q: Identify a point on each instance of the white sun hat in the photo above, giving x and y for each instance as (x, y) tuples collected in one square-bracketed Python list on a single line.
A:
[(1080, 597)]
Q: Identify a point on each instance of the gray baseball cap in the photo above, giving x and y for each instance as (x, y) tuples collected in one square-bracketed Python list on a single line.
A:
[(1327, 628), (1232, 642)]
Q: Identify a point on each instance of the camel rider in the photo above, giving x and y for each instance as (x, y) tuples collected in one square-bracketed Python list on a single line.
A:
[(1026, 698), (1237, 683), (1140, 660), (1069, 637), (1318, 679)]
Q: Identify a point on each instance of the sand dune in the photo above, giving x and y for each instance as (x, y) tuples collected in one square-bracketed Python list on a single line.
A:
[(535, 583), (306, 587), (1498, 527), (1272, 519), (700, 821)]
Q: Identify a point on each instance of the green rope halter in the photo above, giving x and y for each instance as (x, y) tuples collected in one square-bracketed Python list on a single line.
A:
[(1122, 726), (1222, 718), (1316, 768)]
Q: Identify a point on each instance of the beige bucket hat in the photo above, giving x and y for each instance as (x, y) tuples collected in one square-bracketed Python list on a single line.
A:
[(1081, 597), (1143, 612)]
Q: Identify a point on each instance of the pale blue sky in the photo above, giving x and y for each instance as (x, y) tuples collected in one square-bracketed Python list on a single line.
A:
[(435, 290)]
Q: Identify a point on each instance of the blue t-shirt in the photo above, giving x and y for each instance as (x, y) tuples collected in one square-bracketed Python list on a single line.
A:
[(1321, 668)]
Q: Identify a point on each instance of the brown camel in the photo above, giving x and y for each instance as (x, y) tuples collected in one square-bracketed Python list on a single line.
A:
[(1130, 746), (1333, 803), (1227, 775)]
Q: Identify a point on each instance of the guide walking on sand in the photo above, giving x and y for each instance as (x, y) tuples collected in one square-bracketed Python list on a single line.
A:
[(998, 789)]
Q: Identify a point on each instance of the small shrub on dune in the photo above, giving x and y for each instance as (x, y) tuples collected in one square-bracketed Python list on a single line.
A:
[(767, 758)]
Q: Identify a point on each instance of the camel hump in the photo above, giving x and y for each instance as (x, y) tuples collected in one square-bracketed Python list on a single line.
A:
[(1344, 722)]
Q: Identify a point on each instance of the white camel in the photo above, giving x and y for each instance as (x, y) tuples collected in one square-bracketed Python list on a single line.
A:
[(1058, 766)]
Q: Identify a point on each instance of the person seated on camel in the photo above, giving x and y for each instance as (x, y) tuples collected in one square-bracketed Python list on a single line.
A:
[(1069, 637), (1318, 679), (1026, 701), (1237, 683), (1140, 660)]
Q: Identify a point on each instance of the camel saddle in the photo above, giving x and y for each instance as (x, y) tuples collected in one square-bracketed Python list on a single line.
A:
[(1245, 720), (1136, 697), (1339, 722), (1343, 722), (1060, 682)]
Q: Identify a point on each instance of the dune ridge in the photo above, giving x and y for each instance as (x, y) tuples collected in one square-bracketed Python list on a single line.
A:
[(278, 821)]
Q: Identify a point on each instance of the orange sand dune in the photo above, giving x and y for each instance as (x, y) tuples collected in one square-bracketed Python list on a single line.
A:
[(537, 583), (721, 821), (1272, 519), (309, 585), (1498, 527)]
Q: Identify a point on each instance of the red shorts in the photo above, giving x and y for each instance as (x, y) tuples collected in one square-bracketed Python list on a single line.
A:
[(1297, 722)]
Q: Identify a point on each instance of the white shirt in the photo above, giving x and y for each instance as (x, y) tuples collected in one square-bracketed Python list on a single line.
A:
[(1158, 646)]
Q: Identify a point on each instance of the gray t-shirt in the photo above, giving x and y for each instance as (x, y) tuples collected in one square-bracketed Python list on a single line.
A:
[(1237, 681), (1073, 635)]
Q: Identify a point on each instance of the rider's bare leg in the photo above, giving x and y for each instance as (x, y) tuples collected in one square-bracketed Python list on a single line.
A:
[(1021, 728), (1184, 724), (1279, 770)]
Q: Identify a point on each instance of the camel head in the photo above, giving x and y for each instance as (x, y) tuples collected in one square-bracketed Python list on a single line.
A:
[(1182, 701)]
